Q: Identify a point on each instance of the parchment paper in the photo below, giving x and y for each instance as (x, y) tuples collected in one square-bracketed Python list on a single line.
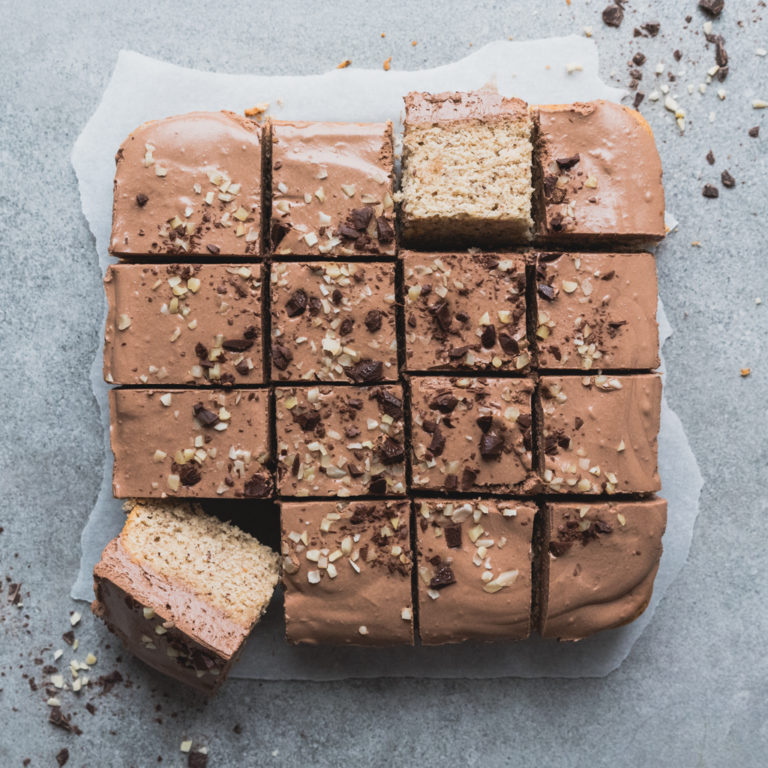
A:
[(143, 89)]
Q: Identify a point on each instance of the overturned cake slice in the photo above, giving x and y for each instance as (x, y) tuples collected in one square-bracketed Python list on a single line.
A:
[(466, 170), (183, 590)]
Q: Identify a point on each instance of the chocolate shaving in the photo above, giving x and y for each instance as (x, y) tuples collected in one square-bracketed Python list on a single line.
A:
[(307, 420), (389, 403), (441, 312), (237, 345)]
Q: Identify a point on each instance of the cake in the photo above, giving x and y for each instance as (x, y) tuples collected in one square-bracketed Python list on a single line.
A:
[(474, 569), (596, 311), (183, 590), (599, 433), (465, 311), (204, 443), (472, 435), (598, 562), (340, 440), (178, 324), (466, 170), (328, 317), (189, 185), (347, 572), (332, 186), (598, 176)]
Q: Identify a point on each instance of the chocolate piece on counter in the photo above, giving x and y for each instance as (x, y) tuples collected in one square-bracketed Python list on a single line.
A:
[(184, 608), (490, 596), (614, 192), (484, 429), (202, 443), (598, 564), (727, 180), (349, 317), (347, 572), (466, 170), (332, 186), (712, 7), (599, 312), (189, 186), (465, 311), (340, 440), (710, 191), (613, 15), (183, 324), (599, 433)]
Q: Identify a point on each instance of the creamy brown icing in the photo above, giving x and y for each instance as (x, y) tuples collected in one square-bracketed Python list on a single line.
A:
[(474, 569), (472, 434), (599, 174), (600, 564), (599, 433), (189, 185), (190, 443), (164, 623), (486, 106), (183, 324), (327, 317), (332, 187), (465, 311), (340, 441), (597, 311), (347, 572)]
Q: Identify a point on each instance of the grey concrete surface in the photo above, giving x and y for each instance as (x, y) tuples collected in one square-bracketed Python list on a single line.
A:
[(693, 691)]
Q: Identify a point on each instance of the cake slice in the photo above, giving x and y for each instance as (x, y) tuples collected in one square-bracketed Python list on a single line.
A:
[(183, 590), (466, 169)]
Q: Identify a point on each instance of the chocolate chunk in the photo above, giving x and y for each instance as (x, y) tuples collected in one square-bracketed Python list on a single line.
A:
[(638, 100), (441, 312), (204, 416), (307, 420), (201, 351), (189, 474), (488, 337), (578, 422), (567, 163), (728, 180), (391, 452), (354, 470), (213, 249), (437, 444), (60, 720), (347, 326), (281, 356), (242, 368), (712, 7), (384, 230), (258, 486), (443, 577), (491, 444), (652, 28), (721, 55), (525, 420), (468, 477), (710, 191), (296, 305), (315, 306), (237, 345), (509, 344), (390, 403), (251, 332), (296, 465), (457, 353), (366, 371), (141, 200), (429, 426), (373, 320), (602, 527), (711, 157), (451, 483), (452, 536), (754, 132), (197, 760), (559, 548), (62, 757), (359, 218), (639, 59), (613, 15), (337, 296), (445, 403), (345, 230), (484, 422), (377, 486), (546, 291), (677, 55)]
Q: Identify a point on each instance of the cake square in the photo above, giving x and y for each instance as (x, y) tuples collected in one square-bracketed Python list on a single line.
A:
[(465, 311), (599, 175), (189, 185), (181, 324), (597, 565), (472, 434), (332, 187), (599, 433), (190, 443), (331, 320), (474, 569), (340, 440), (597, 310), (466, 170), (347, 572)]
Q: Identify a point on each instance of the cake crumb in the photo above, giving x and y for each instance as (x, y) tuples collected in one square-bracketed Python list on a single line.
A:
[(745, 372), (387, 64), (344, 64)]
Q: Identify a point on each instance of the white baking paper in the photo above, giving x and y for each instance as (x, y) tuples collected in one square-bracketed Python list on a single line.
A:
[(143, 89)]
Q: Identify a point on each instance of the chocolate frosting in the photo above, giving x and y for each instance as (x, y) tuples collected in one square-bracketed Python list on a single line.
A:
[(183, 324), (600, 433), (332, 186), (597, 310), (182, 448), (347, 572), (601, 561), (474, 569), (450, 107), (600, 174), (189, 185)]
